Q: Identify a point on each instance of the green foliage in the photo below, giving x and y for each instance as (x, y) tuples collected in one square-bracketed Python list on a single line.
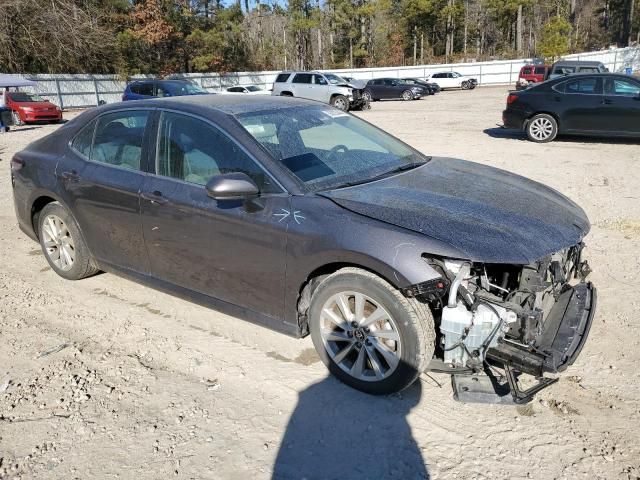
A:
[(555, 38)]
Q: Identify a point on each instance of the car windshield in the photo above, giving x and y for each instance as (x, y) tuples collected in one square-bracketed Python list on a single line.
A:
[(253, 88), (186, 88), (26, 97), (326, 148), (334, 79)]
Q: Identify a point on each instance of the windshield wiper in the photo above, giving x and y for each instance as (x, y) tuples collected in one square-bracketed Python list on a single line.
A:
[(398, 169)]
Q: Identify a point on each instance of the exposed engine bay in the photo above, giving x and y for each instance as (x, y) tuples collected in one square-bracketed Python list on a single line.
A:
[(497, 322)]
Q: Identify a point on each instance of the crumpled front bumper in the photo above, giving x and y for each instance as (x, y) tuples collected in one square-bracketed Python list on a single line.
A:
[(565, 331)]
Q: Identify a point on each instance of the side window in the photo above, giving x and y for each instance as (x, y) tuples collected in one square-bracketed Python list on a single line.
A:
[(540, 71), (82, 141), (319, 80), (162, 90), (135, 88), (617, 86), (388, 82), (194, 151), (118, 139), (235, 89), (282, 77), (302, 78), (526, 71), (436, 75), (145, 88), (583, 85), (588, 70)]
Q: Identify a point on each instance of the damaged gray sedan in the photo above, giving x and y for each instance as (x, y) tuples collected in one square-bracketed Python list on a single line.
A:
[(308, 220)]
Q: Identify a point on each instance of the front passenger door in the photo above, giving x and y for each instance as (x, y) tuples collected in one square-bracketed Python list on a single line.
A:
[(621, 112), (232, 250)]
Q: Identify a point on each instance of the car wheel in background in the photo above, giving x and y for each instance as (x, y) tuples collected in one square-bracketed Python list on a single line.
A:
[(407, 95), (62, 243), (340, 102), (542, 128), (368, 334), (367, 96)]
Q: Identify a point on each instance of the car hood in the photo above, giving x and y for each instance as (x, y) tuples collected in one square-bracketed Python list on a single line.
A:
[(35, 105), (488, 214)]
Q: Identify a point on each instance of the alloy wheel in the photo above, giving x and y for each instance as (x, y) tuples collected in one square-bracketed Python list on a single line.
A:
[(58, 242), (367, 96), (407, 95), (541, 128), (341, 104), (360, 336)]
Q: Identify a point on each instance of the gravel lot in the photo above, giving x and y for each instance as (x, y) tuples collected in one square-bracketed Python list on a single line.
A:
[(104, 378)]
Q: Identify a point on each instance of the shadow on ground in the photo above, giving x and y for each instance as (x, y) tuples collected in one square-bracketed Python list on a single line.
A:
[(499, 132), (337, 432)]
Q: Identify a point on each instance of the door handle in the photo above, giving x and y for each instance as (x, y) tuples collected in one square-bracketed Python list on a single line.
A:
[(155, 197), (71, 176), (607, 101)]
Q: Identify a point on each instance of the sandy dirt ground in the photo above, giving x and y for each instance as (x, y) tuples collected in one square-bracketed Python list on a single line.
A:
[(104, 378)]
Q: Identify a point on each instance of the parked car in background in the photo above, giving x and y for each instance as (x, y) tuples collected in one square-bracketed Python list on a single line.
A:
[(570, 67), (322, 87), (532, 74), (145, 89), (309, 220), (589, 104), (31, 108), (453, 80), (431, 88), (248, 90), (392, 88)]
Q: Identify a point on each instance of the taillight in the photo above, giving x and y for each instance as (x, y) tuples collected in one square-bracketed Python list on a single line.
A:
[(511, 98), (16, 164)]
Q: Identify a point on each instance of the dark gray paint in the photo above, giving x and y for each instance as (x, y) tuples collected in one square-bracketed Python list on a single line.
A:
[(251, 258)]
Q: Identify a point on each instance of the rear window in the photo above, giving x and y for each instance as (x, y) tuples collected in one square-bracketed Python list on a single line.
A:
[(142, 89), (302, 78), (583, 85), (282, 77)]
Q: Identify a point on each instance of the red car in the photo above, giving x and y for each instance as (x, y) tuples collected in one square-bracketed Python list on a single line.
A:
[(32, 108), (534, 73)]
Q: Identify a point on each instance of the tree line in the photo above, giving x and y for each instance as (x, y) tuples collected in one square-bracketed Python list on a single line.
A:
[(166, 36)]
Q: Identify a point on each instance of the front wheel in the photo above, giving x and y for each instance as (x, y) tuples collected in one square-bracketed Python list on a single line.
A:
[(367, 96), (368, 334), (407, 95), (340, 102), (465, 85), (542, 128)]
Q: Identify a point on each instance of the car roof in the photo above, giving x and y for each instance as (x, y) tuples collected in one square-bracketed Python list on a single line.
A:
[(226, 104), (578, 62)]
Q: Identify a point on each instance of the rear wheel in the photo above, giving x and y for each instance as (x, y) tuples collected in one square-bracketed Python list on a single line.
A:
[(407, 95), (62, 244), (542, 128), (368, 334), (340, 102)]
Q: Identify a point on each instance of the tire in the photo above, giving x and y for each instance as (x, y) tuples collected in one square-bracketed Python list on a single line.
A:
[(407, 95), (400, 356), (340, 102), (542, 128), (367, 96), (58, 248), (464, 85), (286, 94)]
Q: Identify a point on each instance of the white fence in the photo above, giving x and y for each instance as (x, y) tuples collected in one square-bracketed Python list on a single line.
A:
[(77, 91)]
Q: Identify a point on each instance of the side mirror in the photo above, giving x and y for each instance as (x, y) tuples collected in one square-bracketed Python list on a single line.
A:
[(231, 186)]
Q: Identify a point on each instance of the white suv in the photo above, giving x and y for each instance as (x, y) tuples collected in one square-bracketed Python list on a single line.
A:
[(453, 80), (323, 87)]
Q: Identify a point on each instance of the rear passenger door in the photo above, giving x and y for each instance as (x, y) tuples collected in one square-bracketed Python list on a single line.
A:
[(579, 102), (302, 85), (100, 180)]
